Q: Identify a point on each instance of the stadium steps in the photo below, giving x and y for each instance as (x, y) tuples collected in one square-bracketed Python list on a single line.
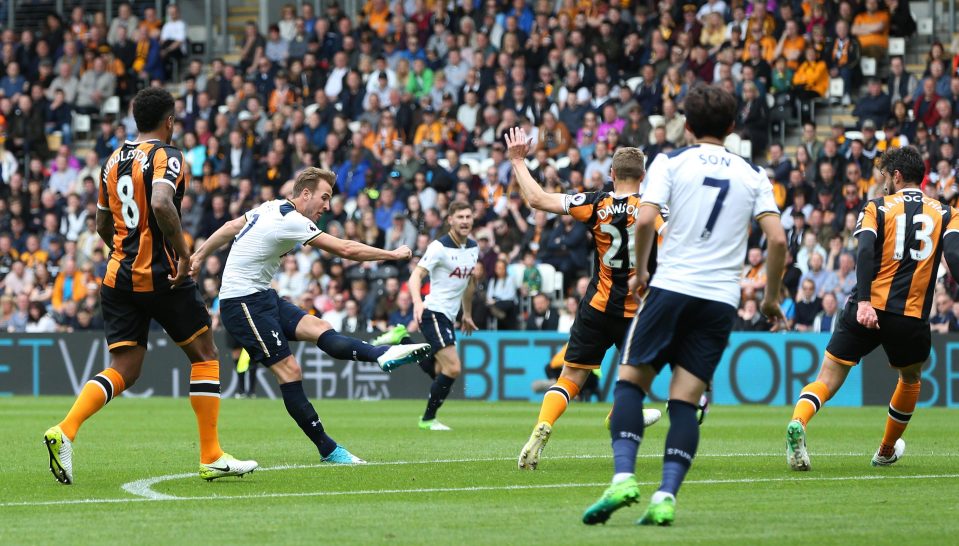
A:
[(239, 13)]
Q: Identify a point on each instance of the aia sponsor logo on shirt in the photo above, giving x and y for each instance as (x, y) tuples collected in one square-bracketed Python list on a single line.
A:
[(461, 272)]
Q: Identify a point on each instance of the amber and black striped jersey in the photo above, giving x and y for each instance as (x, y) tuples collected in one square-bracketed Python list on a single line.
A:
[(142, 257), (612, 219), (909, 229)]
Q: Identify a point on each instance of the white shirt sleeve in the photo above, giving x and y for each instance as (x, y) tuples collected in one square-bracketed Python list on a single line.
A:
[(765, 203), (658, 182), (296, 228), (431, 257)]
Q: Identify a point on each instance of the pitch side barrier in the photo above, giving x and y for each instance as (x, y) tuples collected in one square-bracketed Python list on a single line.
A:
[(768, 369)]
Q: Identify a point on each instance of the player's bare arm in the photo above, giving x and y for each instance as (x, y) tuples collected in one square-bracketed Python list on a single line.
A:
[(518, 148), (164, 210), (775, 264), (220, 237), (415, 284), (105, 226), (468, 326), (645, 234), (353, 250)]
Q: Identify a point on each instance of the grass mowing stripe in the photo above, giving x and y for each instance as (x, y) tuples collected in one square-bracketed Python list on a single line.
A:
[(169, 498)]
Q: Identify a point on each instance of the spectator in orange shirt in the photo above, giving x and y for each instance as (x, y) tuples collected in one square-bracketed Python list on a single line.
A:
[(791, 45), (71, 283), (282, 92), (429, 130), (377, 13), (872, 29), (150, 21), (767, 44), (811, 80)]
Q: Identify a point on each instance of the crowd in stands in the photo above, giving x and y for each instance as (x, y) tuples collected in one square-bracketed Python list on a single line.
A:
[(407, 102)]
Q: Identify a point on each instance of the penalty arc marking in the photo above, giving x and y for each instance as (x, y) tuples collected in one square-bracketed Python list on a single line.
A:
[(143, 489)]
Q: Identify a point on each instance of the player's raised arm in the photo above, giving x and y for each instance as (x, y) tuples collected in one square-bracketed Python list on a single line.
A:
[(353, 250), (518, 148), (220, 237)]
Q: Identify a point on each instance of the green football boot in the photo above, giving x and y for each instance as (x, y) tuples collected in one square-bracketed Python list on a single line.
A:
[(393, 336), (661, 513), (616, 496)]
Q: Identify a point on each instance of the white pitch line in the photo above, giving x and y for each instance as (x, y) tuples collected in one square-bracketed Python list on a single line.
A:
[(144, 488), (871, 477)]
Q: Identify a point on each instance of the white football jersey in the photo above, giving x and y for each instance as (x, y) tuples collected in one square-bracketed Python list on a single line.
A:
[(712, 196), (450, 267), (272, 230)]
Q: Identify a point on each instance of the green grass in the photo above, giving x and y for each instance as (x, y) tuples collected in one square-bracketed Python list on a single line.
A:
[(756, 500)]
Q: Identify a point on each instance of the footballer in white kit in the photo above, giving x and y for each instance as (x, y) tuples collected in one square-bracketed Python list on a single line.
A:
[(449, 261), (687, 313), (263, 323)]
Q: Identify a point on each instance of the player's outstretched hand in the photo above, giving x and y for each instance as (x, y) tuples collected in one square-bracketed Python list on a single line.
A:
[(196, 265), (402, 253), (771, 310), (182, 271), (517, 146), (638, 283), (467, 325), (866, 315)]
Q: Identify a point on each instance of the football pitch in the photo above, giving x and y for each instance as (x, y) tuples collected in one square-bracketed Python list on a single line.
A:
[(135, 473)]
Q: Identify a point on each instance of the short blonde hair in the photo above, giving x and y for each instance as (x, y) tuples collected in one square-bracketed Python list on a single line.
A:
[(629, 163), (310, 177)]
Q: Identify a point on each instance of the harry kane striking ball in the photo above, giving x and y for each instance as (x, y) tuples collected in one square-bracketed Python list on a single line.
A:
[(263, 323)]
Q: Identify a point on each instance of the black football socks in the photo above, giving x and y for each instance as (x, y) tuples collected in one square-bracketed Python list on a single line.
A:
[(343, 347), (301, 410)]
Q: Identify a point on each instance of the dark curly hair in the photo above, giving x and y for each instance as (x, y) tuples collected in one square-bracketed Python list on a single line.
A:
[(907, 160), (710, 111), (150, 107)]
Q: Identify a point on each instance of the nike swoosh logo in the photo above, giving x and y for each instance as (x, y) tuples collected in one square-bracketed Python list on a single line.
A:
[(224, 469)]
